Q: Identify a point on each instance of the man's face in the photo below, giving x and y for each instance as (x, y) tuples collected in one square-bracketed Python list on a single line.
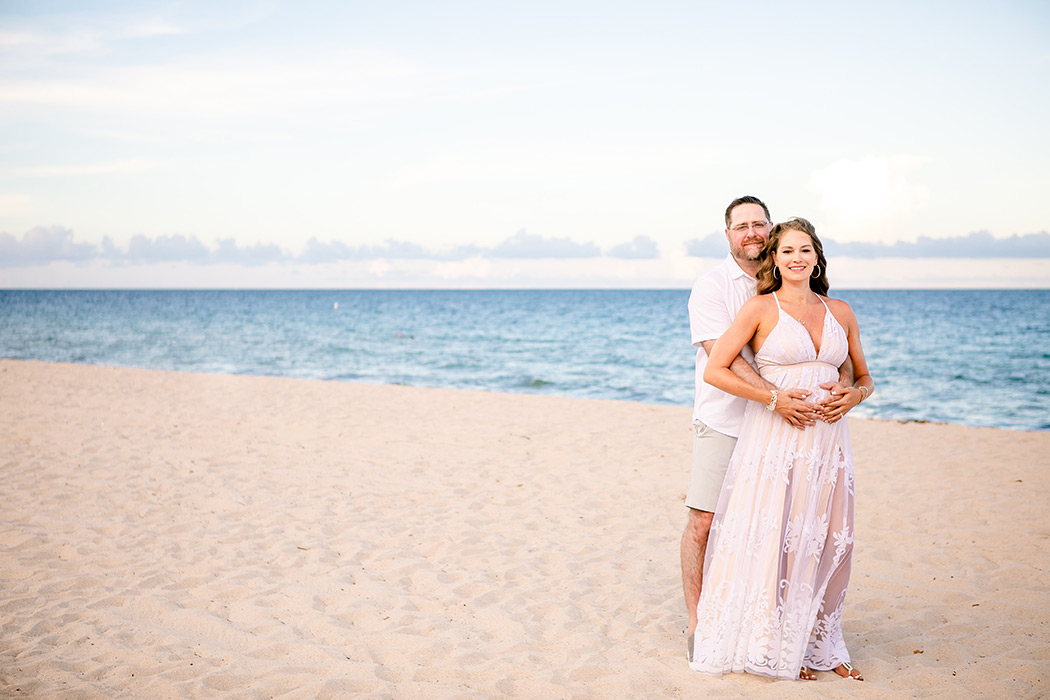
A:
[(747, 232)]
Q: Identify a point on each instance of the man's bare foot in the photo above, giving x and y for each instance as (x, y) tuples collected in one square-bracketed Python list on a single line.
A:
[(847, 671), (806, 674)]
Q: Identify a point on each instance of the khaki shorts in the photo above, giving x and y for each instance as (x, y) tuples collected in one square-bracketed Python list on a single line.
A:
[(711, 453)]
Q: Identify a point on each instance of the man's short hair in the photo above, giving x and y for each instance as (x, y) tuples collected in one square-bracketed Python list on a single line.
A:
[(746, 199)]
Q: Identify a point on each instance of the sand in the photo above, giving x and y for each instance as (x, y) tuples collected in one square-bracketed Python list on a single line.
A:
[(176, 535)]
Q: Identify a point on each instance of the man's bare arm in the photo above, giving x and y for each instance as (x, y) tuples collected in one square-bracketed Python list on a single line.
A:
[(840, 399), (791, 403), (846, 372)]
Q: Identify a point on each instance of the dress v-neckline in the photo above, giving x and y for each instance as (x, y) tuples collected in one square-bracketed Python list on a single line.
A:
[(823, 324)]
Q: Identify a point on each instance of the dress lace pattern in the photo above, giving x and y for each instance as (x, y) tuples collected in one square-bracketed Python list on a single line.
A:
[(779, 554)]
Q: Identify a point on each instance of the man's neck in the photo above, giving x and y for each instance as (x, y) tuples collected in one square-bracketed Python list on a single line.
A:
[(750, 267)]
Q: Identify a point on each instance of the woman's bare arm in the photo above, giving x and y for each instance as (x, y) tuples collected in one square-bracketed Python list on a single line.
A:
[(754, 320)]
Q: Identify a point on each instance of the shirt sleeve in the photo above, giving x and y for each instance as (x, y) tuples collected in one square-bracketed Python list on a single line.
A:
[(709, 315)]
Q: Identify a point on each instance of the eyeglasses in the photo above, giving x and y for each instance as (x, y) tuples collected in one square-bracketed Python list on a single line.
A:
[(758, 226)]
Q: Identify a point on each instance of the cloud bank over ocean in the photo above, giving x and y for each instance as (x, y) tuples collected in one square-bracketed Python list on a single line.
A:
[(979, 244), (43, 245)]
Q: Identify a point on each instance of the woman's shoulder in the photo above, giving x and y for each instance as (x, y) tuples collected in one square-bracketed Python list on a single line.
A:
[(758, 307), (760, 302), (837, 303), (841, 309)]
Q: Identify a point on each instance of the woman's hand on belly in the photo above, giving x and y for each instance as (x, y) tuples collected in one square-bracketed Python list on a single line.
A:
[(794, 406)]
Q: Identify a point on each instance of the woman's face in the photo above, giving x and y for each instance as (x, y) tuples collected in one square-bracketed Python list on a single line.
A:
[(795, 255)]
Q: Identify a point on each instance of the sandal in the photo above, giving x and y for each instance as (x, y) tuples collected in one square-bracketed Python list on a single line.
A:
[(806, 674), (850, 672)]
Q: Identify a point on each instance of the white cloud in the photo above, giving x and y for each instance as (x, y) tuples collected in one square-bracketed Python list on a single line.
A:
[(640, 247), (976, 245), (527, 245), (42, 245), (259, 254), (317, 251), (861, 199), (167, 249), (714, 245)]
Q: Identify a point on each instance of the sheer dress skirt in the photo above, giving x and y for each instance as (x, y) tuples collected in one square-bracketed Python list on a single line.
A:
[(779, 553)]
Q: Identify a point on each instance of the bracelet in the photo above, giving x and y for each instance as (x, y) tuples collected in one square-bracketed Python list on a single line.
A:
[(772, 405), (865, 392)]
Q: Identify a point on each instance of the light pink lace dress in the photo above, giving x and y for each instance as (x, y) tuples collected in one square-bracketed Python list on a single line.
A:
[(778, 559)]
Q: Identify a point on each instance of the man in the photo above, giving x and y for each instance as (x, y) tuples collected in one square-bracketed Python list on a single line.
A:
[(715, 300)]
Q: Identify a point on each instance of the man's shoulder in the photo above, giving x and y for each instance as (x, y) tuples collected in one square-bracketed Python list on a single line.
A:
[(721, 281), (717, 277)]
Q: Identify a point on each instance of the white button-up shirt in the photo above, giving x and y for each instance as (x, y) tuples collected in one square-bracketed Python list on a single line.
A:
[(713, 304)]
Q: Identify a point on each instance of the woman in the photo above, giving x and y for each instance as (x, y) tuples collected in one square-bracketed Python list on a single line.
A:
[(778, 559)]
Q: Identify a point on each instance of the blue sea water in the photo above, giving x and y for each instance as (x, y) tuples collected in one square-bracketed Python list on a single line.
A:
[(978, 358)]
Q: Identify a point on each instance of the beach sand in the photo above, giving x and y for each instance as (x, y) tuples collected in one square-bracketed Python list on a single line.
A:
[(176, 535)]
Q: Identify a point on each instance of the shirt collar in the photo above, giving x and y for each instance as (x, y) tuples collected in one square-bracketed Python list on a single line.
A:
[(735, 271)]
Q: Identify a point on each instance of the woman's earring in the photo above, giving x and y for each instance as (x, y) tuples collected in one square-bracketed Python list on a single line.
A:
[(816, 272), (776, 272)]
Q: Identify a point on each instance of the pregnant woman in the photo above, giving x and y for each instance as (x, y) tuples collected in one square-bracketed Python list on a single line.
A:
[(778, 559)]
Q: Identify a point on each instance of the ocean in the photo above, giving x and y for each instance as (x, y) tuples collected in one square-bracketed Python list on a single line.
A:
[(979, 358)]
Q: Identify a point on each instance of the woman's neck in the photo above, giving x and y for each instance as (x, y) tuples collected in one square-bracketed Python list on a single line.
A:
[(794, 293)]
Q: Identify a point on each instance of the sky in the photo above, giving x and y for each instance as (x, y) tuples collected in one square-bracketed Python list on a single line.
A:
[(455, 144)]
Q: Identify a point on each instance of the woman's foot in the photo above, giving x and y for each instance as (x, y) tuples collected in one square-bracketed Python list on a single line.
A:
[(806, 674), (847, 671)]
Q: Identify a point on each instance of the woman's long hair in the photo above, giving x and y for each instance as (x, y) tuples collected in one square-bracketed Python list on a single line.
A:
[(767, 282)]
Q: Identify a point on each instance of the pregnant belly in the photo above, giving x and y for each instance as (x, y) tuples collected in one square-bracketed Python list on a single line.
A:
[(801, 375)]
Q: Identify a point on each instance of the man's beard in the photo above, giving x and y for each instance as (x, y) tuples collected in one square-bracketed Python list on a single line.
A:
[(742, 252)]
